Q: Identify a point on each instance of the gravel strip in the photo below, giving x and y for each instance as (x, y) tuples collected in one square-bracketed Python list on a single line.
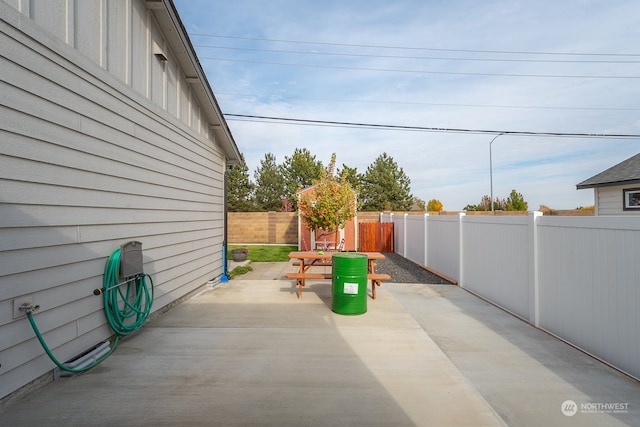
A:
[(402, 270)]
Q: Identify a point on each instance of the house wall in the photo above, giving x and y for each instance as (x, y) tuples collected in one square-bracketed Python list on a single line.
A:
[(609, 200), (100, 143)]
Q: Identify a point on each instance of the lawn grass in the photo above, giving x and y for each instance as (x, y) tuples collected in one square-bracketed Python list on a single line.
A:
[(265, 253), (239, 270)]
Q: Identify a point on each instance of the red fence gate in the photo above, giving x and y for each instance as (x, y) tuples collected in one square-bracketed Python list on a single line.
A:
[(376, 236)]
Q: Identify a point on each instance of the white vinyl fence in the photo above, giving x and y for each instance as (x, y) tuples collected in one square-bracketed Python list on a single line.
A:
[(574, 277)]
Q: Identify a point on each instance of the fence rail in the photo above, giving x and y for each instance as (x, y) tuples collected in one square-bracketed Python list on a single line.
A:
[(575, 277)]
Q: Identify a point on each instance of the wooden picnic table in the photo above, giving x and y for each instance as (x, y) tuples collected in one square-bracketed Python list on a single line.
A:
[(308, 259)]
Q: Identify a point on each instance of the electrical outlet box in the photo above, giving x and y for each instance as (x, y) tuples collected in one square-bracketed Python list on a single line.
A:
[(17, 303)]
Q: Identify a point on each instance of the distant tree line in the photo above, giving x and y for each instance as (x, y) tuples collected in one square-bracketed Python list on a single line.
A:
[(383, 186), (515, 202)]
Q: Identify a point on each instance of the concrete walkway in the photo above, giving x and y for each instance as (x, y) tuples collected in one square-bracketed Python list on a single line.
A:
[(248, 352)]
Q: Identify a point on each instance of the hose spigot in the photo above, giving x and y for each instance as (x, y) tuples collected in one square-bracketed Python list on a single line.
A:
[(28, 308)]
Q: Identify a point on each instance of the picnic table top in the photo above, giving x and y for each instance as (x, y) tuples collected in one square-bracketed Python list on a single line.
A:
[(329, 254)]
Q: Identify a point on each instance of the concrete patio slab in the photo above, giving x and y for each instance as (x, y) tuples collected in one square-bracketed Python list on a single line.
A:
[(248, 352), (525, 374)]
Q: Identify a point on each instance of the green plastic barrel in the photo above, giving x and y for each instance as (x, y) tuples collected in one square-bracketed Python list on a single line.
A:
[(349, 283)]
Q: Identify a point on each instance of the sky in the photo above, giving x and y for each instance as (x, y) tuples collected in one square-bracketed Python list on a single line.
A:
[(429, 67)]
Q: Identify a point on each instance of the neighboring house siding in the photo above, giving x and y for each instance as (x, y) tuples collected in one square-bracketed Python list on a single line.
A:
[(610, 185), (94, 152), (609, 200)]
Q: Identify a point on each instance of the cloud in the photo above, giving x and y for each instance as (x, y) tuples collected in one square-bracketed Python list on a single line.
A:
[(409, 86)]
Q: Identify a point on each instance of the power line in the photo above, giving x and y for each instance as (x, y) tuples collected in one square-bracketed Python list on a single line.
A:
[(288, 120), (429, 58), (432, 49), (457, 73)]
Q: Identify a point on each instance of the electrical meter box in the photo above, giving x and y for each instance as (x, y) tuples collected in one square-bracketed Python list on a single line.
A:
[(131, 259)]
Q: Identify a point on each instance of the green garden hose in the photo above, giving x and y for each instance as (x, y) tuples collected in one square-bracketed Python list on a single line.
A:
[(136, 301), (60, 364), (119, 307)]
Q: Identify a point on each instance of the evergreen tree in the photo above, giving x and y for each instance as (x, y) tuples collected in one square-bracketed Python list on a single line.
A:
[(385, 186), (299, 171), (515, 202), (240, 188), (351, 175), (354, 179), (269, 190)]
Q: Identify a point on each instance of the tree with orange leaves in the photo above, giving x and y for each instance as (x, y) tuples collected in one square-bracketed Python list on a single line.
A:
[(330, 205)]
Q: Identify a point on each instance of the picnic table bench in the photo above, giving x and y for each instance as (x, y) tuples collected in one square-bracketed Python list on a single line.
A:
[(308, 259)]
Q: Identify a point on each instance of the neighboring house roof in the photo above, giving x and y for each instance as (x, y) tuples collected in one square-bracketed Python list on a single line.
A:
[(626, 172), (166, 14), (304, 190)]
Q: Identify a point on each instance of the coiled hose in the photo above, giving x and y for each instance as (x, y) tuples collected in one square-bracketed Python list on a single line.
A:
[(119, 307)]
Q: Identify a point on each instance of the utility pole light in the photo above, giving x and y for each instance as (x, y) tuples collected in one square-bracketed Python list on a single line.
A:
[(491, 169)]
